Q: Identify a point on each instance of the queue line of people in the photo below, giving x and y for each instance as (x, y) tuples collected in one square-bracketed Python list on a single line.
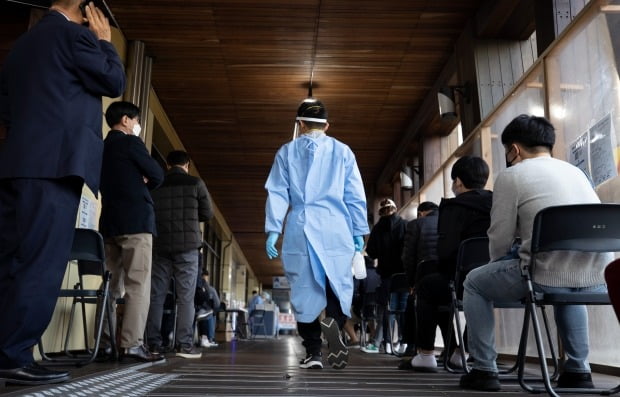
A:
[(532, 181)]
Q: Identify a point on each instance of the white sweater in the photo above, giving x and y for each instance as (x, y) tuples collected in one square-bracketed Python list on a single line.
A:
[(520, 192)]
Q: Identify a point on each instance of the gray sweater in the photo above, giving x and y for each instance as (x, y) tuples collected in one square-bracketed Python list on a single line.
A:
[(520, 192)]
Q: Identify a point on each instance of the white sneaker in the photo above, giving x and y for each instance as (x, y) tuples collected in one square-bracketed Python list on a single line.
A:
[(455, 359), (204, 341), (388, 348), (424, 362), (402, 348)]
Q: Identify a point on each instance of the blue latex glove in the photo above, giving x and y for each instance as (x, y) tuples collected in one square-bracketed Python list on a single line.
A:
[(358, 241), (270, 246)]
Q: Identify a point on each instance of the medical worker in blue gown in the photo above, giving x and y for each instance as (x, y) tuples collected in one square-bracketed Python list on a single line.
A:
[(316, 194)]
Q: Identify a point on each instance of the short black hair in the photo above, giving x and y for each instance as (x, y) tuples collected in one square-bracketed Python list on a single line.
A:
[(117, 110), (177, 157), (315, 109), (427, 206), (205, 272), (530, 131), (472, 171)]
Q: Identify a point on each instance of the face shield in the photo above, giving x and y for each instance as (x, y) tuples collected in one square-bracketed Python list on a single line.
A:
[(299, 118)]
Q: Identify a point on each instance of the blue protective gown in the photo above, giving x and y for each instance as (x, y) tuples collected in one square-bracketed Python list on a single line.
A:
[(318, 180)]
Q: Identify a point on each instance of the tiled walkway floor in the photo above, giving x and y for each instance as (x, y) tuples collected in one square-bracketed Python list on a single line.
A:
[(264, 367)]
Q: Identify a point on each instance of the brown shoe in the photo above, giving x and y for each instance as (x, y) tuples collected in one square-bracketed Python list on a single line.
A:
[(140, 353)]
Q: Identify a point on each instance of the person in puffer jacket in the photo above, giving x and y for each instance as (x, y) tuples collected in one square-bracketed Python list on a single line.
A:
[(181, 203)]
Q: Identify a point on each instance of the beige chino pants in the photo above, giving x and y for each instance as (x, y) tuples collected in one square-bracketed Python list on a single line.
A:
[(128, 258)]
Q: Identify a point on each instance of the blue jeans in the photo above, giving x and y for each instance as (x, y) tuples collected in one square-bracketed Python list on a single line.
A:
[(398, 301), (501, 281)]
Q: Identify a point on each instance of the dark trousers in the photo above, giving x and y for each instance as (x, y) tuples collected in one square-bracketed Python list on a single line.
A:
[(433, 291), (311, 332), (37, 223)]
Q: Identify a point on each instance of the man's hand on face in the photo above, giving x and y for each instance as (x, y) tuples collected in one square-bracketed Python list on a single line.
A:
[(97, 22)]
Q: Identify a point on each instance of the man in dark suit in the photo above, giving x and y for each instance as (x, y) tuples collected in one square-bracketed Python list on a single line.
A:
[(50, 102), (127, 222)]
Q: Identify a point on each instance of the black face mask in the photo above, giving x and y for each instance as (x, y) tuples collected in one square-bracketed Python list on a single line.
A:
[(509, 162)]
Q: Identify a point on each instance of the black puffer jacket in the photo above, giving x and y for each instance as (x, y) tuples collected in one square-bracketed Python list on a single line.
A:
[(420, 243), (386, 244), (464, 216), (181, 203)]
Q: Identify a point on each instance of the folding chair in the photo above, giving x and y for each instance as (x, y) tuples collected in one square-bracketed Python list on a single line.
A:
[(473, 253), (88, 250), (398, 285), (258, 321), (580, 227)]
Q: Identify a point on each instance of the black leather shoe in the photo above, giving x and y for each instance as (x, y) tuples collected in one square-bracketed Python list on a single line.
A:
[(575, 380), (141, 353), (480, 380), (32, 374)]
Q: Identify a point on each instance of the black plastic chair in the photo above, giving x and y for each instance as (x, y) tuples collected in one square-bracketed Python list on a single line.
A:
[(580, 227), (88, 251), (473, 253)]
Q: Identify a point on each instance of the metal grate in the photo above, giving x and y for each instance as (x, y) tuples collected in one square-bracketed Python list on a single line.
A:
[(124, 383)]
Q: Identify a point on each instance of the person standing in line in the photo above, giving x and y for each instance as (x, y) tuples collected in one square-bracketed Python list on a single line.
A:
[(532, 181), (127, 223), (51, 86), (316, 177), (181, 203)]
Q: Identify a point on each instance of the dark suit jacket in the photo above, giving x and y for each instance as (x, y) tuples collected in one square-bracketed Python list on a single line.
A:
[(127, 206), (50, 99)]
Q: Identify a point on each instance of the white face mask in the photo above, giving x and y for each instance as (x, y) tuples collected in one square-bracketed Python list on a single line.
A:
[(136, 129)]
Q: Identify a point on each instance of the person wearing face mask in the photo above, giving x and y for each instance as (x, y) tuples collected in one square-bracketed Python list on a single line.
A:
[(316, 188), (127, 223), (534, 181), (465, 216)]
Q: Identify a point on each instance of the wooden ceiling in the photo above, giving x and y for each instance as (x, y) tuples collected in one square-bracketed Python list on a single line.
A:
[(231, 74)]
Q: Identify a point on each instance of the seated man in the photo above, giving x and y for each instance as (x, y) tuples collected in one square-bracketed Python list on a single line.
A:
[(533, 181), (464, 216), (419, 246), (207, 304)]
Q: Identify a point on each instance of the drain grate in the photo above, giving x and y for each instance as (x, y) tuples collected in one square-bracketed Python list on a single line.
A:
[(125, 383)]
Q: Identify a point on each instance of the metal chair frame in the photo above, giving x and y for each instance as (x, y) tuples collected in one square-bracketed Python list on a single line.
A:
[(579, 227), (473, 253), (88, 251)]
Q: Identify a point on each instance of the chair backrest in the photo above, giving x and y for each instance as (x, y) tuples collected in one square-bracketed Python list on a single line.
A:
[(89, 252), (578, 227), (473, 253)]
